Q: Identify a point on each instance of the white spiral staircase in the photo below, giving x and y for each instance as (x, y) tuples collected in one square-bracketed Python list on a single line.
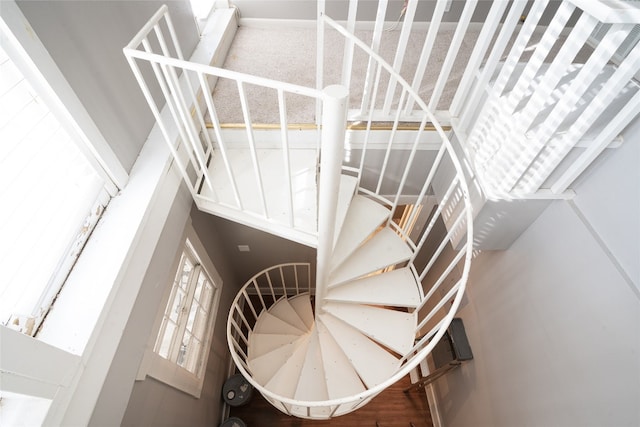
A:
[(320, 341), (361, 330)]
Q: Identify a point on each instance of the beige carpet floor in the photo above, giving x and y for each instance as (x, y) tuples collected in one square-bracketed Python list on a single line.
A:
[(289, 55)]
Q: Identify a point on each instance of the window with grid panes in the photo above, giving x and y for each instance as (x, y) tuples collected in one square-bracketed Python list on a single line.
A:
[(183, 332)]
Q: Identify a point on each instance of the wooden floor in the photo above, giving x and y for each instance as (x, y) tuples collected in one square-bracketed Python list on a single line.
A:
[(391, 408)]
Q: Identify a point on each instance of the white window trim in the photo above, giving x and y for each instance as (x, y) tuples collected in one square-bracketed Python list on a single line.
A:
[(24, 47), (166, 371), (33, 61)]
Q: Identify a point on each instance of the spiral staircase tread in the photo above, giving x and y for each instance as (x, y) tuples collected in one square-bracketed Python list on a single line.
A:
[(363, 218), (348, 185), (384, 249), (285, 312), (341, 377), (312, 384), (373, 364), (302, 305), (285, 381), (263, 368), (267, 323), (391, 328), (397, 288), (260, 344)]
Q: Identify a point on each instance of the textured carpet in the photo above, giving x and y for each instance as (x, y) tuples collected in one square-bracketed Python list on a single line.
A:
[(289, 55)]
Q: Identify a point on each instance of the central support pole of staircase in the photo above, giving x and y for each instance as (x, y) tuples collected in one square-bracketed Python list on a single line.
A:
[(334, 125)]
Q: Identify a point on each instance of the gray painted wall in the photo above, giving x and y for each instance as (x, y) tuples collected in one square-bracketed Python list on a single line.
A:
[(554, 321), (85, 39), (128, 402), (266, 249)]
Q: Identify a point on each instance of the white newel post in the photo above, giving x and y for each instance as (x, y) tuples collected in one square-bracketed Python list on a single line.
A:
[(334, 124)]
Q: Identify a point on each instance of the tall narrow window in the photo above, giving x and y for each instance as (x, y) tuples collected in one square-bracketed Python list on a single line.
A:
[(177, 353), (51, 199), (183, 332)]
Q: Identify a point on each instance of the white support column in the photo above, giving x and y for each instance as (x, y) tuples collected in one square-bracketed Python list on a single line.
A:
[(334, 123)]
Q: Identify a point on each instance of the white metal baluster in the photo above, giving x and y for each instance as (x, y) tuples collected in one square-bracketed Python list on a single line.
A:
[(452, 230), (427, 48), (459, 255), (514, 157), (369, 121), (427, 182), (627, 69), (182, 104), (284, 131), (475, 60), (295, 273), (443, 76), (239, 331), (468, 109), (239, 349), (347, 60), (320, 11), (492, 118), (391, 138), (246, 297), (163, 81), (178, 48), (156, 113), (243, 318), (284, 283), (529, 26), (573, 94), (424, 340), (218, 131), (194, 96), (550, 36), (440, 304), (255, 285), (375, 46), (434, 217), (273, 293), (615, 126), (407, 168), (252, 146), (401, 48), (194, 140)]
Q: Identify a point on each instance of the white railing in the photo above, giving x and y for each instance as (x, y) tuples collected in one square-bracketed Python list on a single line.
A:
[(550, 100), (189, 123)]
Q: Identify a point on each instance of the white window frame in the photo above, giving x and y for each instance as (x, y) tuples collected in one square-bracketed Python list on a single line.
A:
[(168, 371), (31, 58)]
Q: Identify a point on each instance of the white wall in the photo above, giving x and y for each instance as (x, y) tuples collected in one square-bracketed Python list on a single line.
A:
[(554, 321)]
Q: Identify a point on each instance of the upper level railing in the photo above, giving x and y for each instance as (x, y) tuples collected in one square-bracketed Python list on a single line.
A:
[(185, 89), (535, 91)]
